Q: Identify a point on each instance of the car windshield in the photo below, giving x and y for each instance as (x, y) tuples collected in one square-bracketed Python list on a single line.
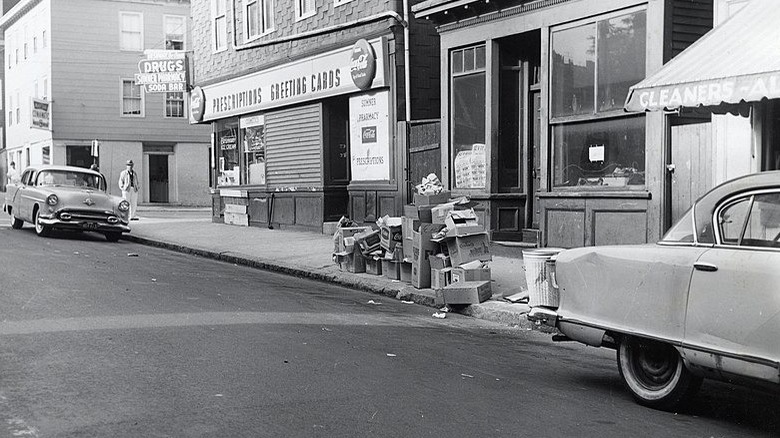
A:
[(69, 178)]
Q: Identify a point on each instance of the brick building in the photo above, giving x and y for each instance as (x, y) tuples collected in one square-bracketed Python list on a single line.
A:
[(308, 106)]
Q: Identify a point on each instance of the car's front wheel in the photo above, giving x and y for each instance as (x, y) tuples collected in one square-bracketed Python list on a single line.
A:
[(654, 373), (40, 229), (16, 223)]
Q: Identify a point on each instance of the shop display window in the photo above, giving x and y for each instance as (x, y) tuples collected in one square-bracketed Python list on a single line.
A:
[(604, 153), (227, 153), (593, 64), (254, 146), (468, 117)]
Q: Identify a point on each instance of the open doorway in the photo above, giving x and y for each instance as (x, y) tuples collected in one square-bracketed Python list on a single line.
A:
[(158, 179)]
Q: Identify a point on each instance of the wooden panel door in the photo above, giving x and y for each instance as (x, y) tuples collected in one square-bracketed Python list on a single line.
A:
[(691, 165)]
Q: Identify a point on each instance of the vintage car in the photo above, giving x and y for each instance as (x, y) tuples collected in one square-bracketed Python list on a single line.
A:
[(704, 302), (66, 198)]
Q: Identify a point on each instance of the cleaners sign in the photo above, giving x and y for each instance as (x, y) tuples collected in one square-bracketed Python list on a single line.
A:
[(163, 71)]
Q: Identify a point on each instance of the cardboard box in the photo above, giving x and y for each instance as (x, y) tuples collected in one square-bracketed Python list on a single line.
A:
[(390, 233), (409, 226), (421, 213), (406, 272), (368, 241), (391, 269), (440, 278), (374, 265), (422, 200), (464, 249), (460, 275), (460, 222), (422, 238), (421, 271), (468, 292), (439, 261), (341, 233), (351, 262), (440, 212)]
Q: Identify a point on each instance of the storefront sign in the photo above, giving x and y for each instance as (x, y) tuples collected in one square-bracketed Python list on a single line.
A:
[(40, 113), (470, 168), (317, 77), (370, 136), (163, 71), (197, 104), (362, 65)]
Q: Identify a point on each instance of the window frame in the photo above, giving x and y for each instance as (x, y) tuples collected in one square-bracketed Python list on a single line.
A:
[(183, 18), (299, 6), (262, 20), (123, 31), (122, 99), (183, 105), (731, 201), (215, 47)]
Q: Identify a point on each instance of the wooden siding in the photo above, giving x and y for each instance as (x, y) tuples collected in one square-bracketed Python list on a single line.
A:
[(690, 20), (294, 142), (88, 68)]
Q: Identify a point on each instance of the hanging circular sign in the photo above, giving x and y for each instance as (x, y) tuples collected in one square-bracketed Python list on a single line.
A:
[(197, 104), (363, 64)]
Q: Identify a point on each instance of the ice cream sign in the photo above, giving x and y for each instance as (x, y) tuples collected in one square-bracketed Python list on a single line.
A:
[(163, 71)]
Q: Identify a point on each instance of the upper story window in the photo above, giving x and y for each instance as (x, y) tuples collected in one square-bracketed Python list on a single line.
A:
[(43, 39), (35, 44), (175, 31), (259, 18), (219, 25), (131, 30), (304, 8), (174, 104), (132, 99)]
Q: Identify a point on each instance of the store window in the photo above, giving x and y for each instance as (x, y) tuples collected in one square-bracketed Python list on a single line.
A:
[(468, 116), (175, 30), (219, 25), (131, 35), (132, 99), (259, 18), (595, 144), (227, 153), (253, 141), (174, 104), (304, 8)]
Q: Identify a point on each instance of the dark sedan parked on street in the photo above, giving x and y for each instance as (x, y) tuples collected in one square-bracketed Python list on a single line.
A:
[(66, 198), (704, 302)]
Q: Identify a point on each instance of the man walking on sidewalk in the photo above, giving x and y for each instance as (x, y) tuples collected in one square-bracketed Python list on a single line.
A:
[(128, 184)]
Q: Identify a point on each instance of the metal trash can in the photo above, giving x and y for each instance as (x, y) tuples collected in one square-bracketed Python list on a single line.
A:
[(535, 265)]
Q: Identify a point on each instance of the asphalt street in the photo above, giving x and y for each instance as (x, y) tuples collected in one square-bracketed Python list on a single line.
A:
[(103, 339)]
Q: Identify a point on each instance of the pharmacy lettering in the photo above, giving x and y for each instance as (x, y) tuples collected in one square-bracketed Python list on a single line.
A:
[(370, 136), (163, 71), (40, 113), (339, 72)]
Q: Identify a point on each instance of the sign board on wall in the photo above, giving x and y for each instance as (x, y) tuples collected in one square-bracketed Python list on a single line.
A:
[(369, 126), (163, 71), (40, 113), (328, 74)]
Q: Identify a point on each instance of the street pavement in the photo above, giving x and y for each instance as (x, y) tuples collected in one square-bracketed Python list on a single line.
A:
[(308, 255)]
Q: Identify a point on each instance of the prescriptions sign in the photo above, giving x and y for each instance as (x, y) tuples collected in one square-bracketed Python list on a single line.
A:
[(163, 71)]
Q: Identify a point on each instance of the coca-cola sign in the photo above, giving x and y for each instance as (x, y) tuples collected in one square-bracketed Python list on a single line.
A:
[(197, 104), (362, 64)]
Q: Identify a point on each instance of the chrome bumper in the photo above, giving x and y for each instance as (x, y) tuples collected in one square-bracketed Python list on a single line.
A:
[(543, 316), (119, 227)]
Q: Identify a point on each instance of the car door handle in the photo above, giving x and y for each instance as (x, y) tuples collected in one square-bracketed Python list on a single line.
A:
[(706, 267)]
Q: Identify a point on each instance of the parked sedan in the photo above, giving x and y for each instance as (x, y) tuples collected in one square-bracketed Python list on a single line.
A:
[(67, 198), (704, 302)]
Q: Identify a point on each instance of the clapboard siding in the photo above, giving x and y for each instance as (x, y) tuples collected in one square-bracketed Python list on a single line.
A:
[(294, 142), (87, 69), (690, 20)]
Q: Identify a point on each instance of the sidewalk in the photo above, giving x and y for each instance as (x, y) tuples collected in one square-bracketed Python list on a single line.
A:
[(308, 255)]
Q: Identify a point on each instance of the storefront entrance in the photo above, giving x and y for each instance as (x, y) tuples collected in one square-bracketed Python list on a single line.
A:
[(691, 163), (158, 179), (336, 157)]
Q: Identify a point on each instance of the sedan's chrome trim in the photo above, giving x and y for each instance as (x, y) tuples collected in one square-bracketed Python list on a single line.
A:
[(543, 316)]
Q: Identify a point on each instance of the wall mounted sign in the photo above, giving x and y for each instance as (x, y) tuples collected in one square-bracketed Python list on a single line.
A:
[(197, 104), (163, 71), (369, 124), (40, 113), (362, 65), (317, 77)]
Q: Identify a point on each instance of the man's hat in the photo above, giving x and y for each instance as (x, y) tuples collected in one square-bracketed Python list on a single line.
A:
[(129, 162)]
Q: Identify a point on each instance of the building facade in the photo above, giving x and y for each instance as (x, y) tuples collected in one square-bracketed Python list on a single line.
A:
[(71, 96), (534, 127), (308, 103)]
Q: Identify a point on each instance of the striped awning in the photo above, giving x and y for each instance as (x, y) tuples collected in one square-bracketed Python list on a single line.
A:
[(736, 62)]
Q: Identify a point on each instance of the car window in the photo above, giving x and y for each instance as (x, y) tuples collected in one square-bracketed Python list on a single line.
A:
[(26, 176), (752, 221), (682, 231)]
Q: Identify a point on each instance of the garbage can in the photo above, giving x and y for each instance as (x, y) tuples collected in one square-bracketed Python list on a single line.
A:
[(535, 265)]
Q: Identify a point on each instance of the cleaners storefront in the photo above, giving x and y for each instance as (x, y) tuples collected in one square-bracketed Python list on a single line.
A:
[(288, 141)]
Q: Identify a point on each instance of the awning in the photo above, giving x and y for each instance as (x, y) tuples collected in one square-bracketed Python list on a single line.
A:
[(736, 62)]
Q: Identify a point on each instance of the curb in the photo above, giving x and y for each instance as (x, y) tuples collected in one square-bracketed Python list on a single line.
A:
[(493, 310)]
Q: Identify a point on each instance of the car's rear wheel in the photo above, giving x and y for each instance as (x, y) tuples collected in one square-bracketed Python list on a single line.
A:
[(16, 223), (113, 236), (40, 229), (655, 373)]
